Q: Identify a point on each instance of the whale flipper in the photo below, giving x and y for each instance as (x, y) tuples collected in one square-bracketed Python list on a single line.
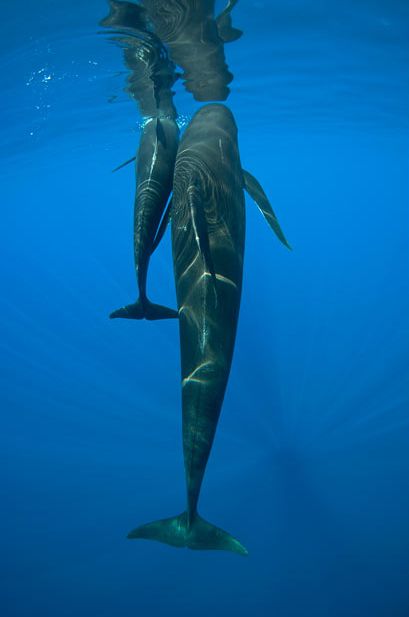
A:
[(162, 227), (145, 310), (256, 192), (161, 137), (124, 164), (201, 235), (224, 24), (198, 535)]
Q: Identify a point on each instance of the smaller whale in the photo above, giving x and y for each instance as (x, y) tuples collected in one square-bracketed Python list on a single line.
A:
[(208, 232), (154, 172), (152, 75)]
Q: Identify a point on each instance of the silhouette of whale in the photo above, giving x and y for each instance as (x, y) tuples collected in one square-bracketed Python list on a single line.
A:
[(152, 75), (208, 233)]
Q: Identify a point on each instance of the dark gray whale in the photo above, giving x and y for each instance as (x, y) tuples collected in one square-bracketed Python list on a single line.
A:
[(152, 75), (154, 179), (208, 231)]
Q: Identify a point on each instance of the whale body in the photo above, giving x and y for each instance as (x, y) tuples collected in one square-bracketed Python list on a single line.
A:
[(152, 75), (208, 233), (154, 178)]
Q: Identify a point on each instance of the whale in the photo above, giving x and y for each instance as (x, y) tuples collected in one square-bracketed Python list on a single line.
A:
[(149, 84), (155, 162), (208, 238)]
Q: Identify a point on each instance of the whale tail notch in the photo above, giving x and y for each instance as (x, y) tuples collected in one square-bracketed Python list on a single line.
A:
[(198, 535), (144, 310)]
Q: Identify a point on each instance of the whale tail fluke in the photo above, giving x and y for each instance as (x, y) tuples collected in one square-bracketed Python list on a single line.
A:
[(157, 311), (130, 311), (198, 535), (145, 310)]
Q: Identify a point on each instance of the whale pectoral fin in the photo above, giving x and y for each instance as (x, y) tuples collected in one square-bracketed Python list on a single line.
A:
[(224, 24), (202, 236), (160, 136), (198, 535), (162, 227), (124, 164), (255, 190)]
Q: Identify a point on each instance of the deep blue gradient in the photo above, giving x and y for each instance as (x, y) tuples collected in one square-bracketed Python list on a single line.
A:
[(310, 466)]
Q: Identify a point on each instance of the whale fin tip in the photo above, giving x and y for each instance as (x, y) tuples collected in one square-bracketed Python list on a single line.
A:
[(256, 192), (122, 165)]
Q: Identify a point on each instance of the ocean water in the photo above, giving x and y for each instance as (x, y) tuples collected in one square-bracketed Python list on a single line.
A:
[(310, 465)]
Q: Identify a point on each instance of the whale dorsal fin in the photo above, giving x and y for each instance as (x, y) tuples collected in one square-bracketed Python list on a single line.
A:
[(224, 25), (162, 227), (255, 190)]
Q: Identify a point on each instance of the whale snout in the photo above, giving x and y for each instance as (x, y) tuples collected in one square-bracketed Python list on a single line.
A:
[(217, 114)]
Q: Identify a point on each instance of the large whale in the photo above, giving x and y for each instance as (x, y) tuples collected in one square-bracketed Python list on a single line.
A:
[(208, 230), (152, 75)]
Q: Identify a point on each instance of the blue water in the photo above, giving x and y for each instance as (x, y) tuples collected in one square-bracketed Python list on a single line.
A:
[(310, 466)]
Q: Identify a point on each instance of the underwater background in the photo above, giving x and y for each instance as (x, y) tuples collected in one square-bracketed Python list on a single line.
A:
[(310, 464)]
